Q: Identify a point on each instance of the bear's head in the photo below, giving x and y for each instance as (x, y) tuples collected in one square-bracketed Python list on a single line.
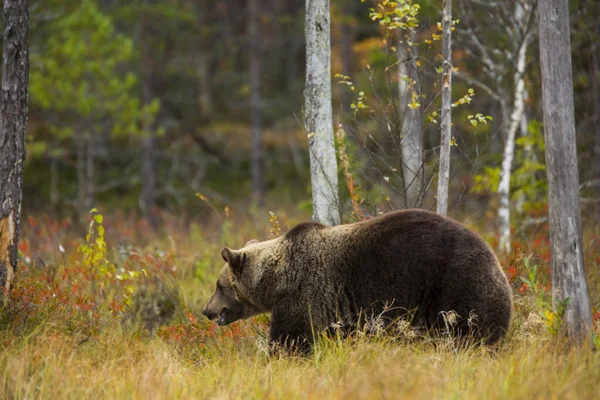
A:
[(241, 290), (224, 305)]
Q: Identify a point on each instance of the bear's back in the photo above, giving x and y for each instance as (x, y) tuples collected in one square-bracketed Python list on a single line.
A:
[(417, 261)]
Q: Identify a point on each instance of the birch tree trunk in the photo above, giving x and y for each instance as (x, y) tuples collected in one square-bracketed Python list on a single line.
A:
[(412, 125), (511, 129), (318, 121), (446, 125), (528, 150), (258, 185), (13, 125), (568, 274)]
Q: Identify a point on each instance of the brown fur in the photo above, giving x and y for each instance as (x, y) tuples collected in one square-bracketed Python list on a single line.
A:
[(411, 260)]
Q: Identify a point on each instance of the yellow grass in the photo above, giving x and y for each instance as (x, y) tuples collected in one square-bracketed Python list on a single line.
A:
[(117, 366), (49, 358)]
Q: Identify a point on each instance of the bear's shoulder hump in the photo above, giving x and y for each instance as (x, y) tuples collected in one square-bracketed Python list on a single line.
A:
[(301, 229)]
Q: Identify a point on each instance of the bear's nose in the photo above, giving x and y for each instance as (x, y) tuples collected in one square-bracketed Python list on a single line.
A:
[(208, 314)]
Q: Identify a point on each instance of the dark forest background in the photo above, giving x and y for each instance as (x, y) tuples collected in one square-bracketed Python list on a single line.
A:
[(140, 105)]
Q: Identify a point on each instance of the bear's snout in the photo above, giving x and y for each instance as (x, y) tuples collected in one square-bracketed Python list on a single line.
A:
[(209, 314)]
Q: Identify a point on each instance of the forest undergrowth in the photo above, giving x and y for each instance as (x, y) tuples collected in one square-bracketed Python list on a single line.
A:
[(114, 311)]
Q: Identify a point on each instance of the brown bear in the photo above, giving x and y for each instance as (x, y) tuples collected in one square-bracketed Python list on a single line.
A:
[(410, 263)]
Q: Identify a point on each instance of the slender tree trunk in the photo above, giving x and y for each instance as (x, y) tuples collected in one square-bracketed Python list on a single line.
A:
[(258, 184), (13, 125), (204, 10), (318, 122), (279, 45), (512, 126), (204, 91), (409, 85), (596, 90), (568, 273), (54, 193), (80, 145), (446, 125), (149, 148), (528, 150), (148, 195), (149, 179), (90, 183)]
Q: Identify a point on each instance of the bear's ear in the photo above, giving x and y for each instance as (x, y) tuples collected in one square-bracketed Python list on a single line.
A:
[(233, 258), (252, 241)]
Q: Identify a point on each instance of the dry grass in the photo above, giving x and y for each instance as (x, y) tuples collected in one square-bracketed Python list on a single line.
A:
[(54, 349), (118, 366)]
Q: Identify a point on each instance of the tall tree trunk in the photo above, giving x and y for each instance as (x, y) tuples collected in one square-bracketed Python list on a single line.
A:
[(204, 12), (149, 179), (80, 146), (409, 85), (148, 195), (278, 44), (54, 193), (90, 182), (528, 150), (204, 91), (258, 184), (318, 122), (512, 126), (149, 148), (596, 90), (568, 273), (13, 125), (446, 125)]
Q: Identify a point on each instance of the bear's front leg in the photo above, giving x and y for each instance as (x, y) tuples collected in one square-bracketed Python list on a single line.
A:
[(289, 333)]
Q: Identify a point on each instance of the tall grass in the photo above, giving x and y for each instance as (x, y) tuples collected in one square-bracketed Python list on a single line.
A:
[(60, 340)]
